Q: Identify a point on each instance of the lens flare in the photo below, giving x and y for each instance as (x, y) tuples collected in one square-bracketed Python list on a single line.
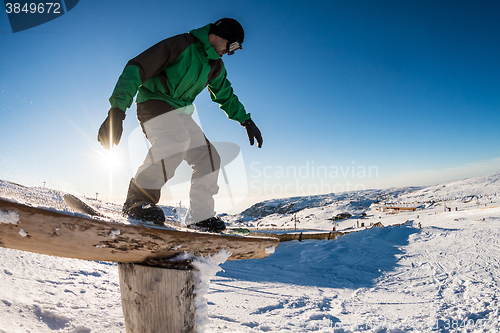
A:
[(110, 159)]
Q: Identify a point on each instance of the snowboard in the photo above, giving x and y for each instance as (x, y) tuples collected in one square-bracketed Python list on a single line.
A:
[(79, 206), (97, 237)]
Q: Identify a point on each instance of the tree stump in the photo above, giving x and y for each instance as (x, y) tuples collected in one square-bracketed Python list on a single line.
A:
[(157, 299)]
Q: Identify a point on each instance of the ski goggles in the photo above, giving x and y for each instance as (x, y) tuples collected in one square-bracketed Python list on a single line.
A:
[(233, 47)]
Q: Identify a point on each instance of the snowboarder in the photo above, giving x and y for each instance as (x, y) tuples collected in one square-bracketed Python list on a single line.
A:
[(168, 77)]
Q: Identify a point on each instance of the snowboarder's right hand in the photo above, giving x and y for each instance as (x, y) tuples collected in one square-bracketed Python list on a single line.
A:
[(112, 128)]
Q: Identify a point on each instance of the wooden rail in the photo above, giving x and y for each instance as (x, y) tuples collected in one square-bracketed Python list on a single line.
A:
[(320, 235)]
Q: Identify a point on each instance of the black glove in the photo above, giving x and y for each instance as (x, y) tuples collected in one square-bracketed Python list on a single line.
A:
[(253, 132), (112, 128)]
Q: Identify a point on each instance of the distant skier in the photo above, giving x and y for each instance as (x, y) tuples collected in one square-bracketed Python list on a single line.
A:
[(169, 76)]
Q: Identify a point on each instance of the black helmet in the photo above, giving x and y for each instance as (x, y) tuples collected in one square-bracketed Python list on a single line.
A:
[(231, 30)]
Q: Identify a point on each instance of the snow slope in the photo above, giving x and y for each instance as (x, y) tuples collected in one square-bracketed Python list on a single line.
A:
[(398, 278), (316, 212), (442, 277)]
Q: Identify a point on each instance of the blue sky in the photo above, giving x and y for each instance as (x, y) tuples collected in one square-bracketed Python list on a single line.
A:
[(366, 94)]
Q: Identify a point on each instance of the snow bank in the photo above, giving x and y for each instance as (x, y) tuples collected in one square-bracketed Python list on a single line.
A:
[(10, 217), (205, 270)]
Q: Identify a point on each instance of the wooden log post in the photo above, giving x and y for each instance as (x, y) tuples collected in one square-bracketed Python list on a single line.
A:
[(156, 299)]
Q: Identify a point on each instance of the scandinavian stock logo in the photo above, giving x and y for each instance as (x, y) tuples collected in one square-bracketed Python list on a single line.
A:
[(24, 15)]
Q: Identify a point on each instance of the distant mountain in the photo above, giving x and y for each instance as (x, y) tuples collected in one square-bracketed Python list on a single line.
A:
[(296, 204), (483, 188)]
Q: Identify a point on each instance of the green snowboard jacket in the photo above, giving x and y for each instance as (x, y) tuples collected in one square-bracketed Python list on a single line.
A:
[(176, 70)]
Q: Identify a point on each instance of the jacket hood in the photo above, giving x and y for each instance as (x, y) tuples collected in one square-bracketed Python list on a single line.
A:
[(202, 35)]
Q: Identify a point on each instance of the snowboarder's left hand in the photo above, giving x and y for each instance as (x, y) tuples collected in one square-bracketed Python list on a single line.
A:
[(111, 129), (253, 132)]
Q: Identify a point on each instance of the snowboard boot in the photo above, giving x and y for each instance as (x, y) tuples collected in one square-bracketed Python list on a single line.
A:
[(144, 211), (213, 224)]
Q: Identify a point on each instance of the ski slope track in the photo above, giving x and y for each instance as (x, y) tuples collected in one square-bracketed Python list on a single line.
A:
[(435, 269)]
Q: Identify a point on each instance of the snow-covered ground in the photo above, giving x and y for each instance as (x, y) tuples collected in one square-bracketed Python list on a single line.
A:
[(437, 272)]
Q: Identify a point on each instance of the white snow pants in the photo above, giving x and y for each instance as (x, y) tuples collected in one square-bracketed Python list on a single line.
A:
[(175, 137)]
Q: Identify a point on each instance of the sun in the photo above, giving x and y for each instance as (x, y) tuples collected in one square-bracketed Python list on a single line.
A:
[(110, 158)]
